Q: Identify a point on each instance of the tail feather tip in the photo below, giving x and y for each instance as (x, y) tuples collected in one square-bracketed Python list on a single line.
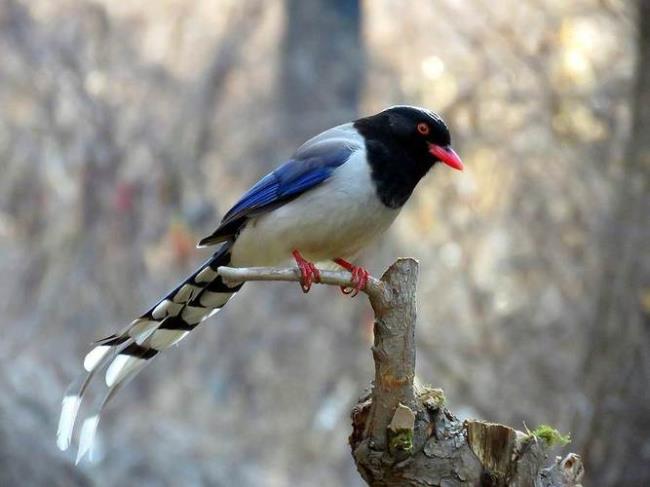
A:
[(121, 367), (69, 409), (95, 356), (87, 439)]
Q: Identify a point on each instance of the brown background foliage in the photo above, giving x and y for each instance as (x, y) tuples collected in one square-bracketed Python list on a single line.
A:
[(127, 128)]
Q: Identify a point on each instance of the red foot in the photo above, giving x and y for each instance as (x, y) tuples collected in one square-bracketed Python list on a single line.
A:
[(309, 273), (359, 277)]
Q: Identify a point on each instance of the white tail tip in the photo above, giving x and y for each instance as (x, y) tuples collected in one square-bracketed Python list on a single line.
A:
[(69, 409), (87, 438), (121, 367), (95, 356)]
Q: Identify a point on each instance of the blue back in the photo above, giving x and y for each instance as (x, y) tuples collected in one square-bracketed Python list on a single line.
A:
[(311, 165)]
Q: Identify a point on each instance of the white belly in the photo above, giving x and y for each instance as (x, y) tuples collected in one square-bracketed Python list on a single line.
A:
[(336, 219)]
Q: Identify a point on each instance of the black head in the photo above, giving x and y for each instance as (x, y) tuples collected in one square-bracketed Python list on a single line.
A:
[(403, 143), (419, 132)]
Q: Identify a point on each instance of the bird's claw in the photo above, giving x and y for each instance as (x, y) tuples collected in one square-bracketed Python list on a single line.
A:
[(359, 278), (309, 273)]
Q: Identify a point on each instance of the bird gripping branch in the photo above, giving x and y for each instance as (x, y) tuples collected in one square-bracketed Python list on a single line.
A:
[(337, 193)]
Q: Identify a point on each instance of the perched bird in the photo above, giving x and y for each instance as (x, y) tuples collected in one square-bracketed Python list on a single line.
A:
[(339, 191)]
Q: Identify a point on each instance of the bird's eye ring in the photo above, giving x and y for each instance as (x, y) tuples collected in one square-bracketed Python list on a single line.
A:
[(423, 128)]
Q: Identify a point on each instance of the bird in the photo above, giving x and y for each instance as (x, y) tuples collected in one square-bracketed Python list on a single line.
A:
[(337, 193)]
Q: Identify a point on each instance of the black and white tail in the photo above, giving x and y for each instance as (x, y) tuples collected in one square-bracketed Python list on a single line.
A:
[(125, 354)]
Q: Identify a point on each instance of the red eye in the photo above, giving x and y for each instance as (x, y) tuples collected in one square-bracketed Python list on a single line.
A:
[(423, 128)]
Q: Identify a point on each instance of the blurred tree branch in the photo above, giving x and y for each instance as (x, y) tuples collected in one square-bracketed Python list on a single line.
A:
[(323, 62), (227, 54), (617, 365), (403, 436), (195, 126)]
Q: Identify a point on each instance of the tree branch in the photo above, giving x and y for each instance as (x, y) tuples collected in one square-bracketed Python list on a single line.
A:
[(375, 289), (405, 437)]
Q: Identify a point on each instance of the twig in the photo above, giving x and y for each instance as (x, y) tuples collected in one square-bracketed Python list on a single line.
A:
[(375, 289)]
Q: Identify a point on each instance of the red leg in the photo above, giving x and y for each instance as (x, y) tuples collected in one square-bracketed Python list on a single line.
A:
[(309, 273), (359, 277)]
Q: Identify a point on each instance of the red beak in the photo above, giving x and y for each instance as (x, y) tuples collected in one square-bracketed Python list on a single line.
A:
[(447, 155)]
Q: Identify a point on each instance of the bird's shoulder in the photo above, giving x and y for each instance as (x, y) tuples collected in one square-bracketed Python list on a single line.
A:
[(312, 164), (329, 142)]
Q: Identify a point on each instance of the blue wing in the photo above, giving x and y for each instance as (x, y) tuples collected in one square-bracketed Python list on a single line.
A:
[(311, 165)]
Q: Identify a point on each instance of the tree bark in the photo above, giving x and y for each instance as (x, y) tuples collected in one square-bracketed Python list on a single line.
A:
[(405, 437)]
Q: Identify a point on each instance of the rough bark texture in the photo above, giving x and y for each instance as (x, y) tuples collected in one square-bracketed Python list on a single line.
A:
[(406, 437)]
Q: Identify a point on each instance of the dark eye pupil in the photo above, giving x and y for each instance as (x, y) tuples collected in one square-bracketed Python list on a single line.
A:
[(423, 128)]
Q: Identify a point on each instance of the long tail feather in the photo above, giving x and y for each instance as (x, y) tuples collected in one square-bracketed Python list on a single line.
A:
[(123, 355), (90, 424), (75, 393)]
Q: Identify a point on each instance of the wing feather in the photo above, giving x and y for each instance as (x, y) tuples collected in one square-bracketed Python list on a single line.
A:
[(312, 165)]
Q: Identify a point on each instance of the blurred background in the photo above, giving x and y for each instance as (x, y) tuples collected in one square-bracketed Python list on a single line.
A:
[(128, 128)]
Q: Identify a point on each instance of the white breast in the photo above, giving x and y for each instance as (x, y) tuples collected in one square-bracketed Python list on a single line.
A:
[(336, 219)]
